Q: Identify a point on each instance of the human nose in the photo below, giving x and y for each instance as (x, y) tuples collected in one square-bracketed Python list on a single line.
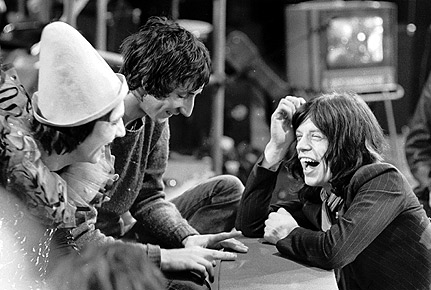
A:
[(302, 144), (187, 107), (121, 130)]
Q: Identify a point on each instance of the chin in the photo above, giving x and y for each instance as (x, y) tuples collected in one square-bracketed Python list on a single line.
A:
[(311, 182), (95, 158)]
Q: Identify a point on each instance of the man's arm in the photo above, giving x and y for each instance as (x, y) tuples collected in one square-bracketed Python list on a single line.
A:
[(197, 259), (159, 216), (86, 234), (377, 203), (254, 207)]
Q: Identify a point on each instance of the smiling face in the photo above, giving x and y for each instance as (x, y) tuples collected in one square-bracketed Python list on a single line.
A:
[(179, 101), (311, 147), (104, 132)]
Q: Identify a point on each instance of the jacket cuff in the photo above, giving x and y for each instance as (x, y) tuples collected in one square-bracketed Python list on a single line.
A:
[(268, 171)]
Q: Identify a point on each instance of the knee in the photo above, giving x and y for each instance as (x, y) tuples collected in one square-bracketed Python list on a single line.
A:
[(232, 184)]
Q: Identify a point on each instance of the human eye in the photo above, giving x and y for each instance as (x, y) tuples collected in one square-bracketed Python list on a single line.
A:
[(116, 121), (298, 136), (317, 136)]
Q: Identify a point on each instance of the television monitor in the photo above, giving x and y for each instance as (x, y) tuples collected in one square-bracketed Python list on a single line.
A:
[(342, 45)]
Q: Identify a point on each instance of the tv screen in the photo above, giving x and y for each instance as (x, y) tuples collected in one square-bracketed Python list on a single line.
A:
[(354, 41), (342, 45)]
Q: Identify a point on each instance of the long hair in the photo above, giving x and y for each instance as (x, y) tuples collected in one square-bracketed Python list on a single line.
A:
[(163, 56), (354, 135)]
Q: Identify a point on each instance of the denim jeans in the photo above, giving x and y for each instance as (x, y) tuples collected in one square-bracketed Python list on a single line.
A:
[(211, 206)]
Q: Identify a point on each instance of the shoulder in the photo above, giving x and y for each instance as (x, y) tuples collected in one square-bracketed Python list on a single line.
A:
[(43, 192), (147, 127), (383, 174), (17, 143), (14, 100), (375, 169)]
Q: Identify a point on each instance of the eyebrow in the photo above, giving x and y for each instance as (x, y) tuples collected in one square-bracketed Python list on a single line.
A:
[(310, 131), (316, 130)]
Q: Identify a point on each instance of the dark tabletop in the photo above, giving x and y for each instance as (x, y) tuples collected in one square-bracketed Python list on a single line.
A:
[(263, 268)]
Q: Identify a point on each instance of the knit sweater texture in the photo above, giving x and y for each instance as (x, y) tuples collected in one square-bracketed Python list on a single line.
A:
[(141, 160)]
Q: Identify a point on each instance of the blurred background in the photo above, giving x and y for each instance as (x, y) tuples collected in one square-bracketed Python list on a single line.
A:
[(268, 48)]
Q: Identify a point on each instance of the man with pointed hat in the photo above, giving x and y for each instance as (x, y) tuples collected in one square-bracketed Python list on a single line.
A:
[(54, 160)]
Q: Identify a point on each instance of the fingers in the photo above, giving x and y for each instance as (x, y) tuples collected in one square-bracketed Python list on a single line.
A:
[(272, 234), (209, 261), (282, 211), (268, 234), (228, 241), (224, 256), (296, 101), (210, 254), (209, 267), (235, 245), (271, 224), (216, 238), (269, 237), (271, 216), (204, 268), (291, 103), (287, 107), (196, 259)]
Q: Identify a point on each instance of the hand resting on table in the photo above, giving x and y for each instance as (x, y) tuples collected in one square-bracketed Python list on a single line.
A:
[(278, 226)]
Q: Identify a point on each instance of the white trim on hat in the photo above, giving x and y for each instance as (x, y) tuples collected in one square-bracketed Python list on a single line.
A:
[(124, 89)]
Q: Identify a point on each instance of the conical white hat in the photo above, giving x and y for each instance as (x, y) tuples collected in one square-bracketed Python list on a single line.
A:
[(76, 85)]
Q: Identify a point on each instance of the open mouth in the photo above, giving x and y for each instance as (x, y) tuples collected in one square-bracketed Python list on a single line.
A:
[(308, 162)]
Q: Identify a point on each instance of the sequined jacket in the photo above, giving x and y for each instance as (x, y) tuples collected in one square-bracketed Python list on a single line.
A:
[(49, 200)]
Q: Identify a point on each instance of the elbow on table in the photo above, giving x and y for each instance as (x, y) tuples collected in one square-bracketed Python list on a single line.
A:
[(325, 264), (250, 232), (249, 229), (325, 261), (328, 265), (331, 262)]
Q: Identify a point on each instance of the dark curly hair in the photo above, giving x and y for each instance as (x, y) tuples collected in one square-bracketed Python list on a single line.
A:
[(163, 56), (63, 140), (354, 135)]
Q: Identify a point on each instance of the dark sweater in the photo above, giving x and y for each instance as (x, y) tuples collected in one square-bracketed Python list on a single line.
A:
[(140, 160)]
